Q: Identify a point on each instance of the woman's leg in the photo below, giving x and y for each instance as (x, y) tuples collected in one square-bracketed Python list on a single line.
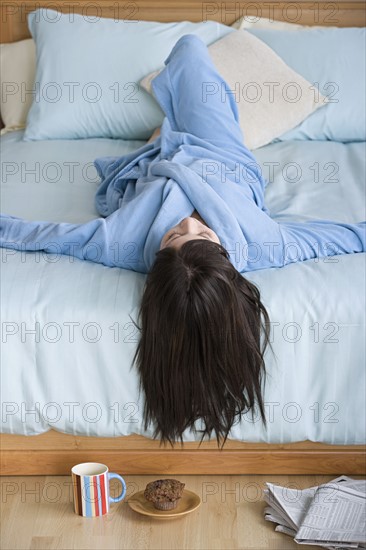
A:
[(195, 97), (197, 100)]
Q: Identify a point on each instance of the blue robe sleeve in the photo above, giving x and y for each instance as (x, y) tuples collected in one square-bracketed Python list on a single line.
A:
[(100, 240), (87, 241), (321, 238)]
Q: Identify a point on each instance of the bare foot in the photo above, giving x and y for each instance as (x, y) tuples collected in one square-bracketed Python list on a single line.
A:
[(154, 135)]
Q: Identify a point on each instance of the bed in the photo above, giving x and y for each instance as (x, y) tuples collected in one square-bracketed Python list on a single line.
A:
[(67, 388)]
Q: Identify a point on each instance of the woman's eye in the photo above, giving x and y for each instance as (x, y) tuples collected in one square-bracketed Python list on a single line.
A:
[(204, 233), (172, 235)]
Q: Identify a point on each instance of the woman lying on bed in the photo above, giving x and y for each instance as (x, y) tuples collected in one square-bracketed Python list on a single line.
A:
[(188, 209)]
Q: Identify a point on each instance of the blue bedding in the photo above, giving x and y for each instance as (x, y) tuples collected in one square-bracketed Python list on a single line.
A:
[(67, 335), (199, 162)]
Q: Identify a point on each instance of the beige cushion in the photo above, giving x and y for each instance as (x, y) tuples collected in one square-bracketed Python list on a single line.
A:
[(252, 22), (271, 97), (248, 22), (18, 68)]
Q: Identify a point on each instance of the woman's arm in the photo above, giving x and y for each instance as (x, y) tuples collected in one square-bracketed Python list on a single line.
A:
[(321, 238), (95, 240), (79, 240)]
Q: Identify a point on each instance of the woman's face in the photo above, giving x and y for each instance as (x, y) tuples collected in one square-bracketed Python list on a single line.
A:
[(187, 230)]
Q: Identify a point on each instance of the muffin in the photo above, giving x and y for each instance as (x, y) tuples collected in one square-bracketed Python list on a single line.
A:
[(164, 493)]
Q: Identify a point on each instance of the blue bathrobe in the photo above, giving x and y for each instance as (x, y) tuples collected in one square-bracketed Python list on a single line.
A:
[(200, 162)]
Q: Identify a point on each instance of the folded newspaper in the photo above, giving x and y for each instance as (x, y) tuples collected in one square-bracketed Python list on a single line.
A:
[(332, 515)]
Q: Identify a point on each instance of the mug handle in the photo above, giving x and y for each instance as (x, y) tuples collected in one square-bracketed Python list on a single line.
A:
[(111, 475)]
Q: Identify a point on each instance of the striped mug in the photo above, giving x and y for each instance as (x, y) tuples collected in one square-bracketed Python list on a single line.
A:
[(91, 489)]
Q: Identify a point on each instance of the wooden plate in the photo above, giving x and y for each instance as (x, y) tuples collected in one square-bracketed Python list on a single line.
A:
[(188, 502)]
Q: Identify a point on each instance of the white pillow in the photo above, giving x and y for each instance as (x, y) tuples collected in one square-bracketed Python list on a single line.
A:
[(271, 97), (18, 69), (88, 74), (142, 44)]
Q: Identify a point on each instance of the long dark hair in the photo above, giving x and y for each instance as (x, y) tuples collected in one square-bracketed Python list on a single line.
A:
[(200, 354)]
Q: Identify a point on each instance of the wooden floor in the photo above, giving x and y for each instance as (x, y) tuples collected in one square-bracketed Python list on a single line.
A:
[(37, 513)]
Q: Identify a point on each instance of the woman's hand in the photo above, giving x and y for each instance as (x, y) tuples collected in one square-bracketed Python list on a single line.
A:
[(154, 135)]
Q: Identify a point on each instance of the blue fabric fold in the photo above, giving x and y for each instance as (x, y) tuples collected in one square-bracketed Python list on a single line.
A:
[(200, 162)]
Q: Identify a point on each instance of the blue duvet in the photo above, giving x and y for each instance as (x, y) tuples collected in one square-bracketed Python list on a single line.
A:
[(200, 162)]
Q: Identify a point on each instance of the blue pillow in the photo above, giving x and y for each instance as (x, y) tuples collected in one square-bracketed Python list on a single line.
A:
[(88, 73), (334, 61)]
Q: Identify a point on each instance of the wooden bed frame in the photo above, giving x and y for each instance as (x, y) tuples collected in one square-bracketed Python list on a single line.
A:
[(347, 13), (55, 453)]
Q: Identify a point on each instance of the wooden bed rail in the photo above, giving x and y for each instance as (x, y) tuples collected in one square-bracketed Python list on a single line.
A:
[(54, 453), (346, 13)]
